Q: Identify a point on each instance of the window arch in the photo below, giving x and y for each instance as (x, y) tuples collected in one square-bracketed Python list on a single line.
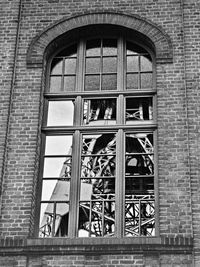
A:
[(98, 165)]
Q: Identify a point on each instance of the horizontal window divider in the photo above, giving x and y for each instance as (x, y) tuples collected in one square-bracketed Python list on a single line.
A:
[(58, 156), (130, 92), (143, 154), (102, 129), (97, 177), (97, 155), (55, 201), (57, 178), (139, 176)]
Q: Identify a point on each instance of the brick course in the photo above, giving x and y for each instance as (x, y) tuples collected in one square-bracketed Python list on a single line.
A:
[(175, 27)]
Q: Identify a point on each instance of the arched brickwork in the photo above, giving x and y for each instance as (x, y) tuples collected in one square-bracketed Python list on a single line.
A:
[(155, 34)]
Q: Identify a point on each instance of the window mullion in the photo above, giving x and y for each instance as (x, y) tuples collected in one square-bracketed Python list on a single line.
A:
[(74, 187), (80, 66), (120, 183), (120, 65)]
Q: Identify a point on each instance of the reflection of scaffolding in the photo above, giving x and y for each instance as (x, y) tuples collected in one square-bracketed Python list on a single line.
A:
[(97, 190)]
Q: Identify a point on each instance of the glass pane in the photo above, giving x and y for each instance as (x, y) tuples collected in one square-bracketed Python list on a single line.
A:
[(55, 83), (139, 216), (97, 217), (109, 82), (103, 162), (70, 65), (146, 80), (132, 64), (146, 64), (138, 109), (92, 82), (60, 113), (98, 112), (69, 83), (109, 47), (132, 81), (139, 186), (93, 47), (56, 66), (109, 64), (58, 145), (92, 65), (57, 167), (70, 51)]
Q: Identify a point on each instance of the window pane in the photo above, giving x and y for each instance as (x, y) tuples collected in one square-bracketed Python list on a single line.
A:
[(55, 83), (92, 82), (59, 167), (132, 64), (138, 109), (109, 47), (56, 66), (58, 145), (70, 65), (132, 81), (146, 80), (109, 64), (93, 47), (60, 113), (109, 82), (92, 65), (69, 83), (99, 112), (146, 64)]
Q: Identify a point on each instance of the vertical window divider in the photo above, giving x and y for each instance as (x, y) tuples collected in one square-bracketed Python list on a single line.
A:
[(120, 191), (74, 187), (80, 66), (120, 65)]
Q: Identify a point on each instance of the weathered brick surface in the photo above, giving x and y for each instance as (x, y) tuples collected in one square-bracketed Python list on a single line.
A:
[(178, 121)]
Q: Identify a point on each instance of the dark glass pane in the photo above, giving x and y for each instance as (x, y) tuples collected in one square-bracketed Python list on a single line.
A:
[(109, 82), (146, 80), (132, 64), (99, 112), (109, 47), (60, 113), (70, 51), (55, 84), (146, 64), (69, 83), (134, 49), (92, 82), (132, 81), (109, 64), (70, 65), (138, 109), (56, 66), (58, 145), (93, 47), (92, 65)]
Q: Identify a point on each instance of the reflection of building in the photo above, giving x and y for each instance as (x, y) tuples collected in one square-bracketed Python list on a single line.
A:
[(118, 83)]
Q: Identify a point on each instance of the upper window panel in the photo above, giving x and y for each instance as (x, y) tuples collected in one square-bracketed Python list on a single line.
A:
[(102, 64)]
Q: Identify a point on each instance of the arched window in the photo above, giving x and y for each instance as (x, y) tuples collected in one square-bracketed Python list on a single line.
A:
[(98, 165)]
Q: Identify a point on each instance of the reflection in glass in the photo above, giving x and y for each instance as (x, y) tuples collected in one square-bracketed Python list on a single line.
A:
[(109, 64), (132, 64), (109, 81), (60, 113), (55, 84), (58, 145), (98, 111), (92, 65), (92, 82), (138, 109), (132, 81), (139, 185), (146, 80), (69, 83), (70, 65), (56, 66), (57, 167), (93, 47), (146, 64), (109, 47)]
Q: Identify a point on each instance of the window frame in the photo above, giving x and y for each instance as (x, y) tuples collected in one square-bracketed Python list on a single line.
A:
[(78, 128)]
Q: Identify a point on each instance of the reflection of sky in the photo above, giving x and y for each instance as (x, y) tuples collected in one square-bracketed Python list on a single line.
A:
[(55, 145), (60, 113)]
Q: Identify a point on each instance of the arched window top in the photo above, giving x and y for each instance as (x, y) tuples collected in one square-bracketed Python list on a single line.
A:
[(101, 64)]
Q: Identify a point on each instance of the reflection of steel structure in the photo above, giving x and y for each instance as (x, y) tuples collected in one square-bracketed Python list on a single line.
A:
[(97, 189)]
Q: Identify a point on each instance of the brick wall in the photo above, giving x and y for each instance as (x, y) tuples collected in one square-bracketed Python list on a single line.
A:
[(178, 121)]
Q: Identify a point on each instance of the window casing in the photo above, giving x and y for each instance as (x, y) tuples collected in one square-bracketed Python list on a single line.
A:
[(98, 165)]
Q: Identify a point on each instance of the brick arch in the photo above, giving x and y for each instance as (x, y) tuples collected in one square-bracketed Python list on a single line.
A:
[(159, 39)]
